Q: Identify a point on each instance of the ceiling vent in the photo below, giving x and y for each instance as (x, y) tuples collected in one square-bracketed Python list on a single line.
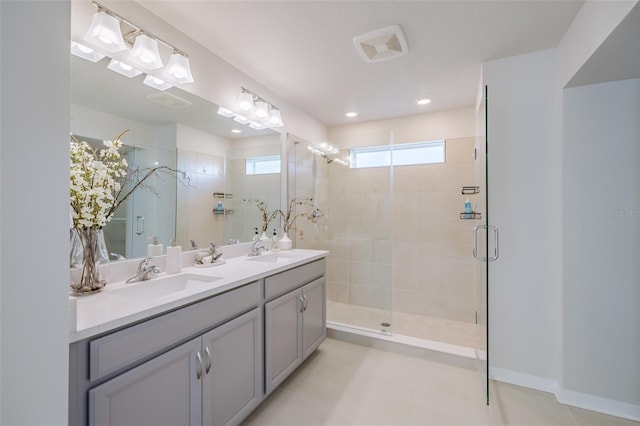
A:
[(168, 100), (381, 45)]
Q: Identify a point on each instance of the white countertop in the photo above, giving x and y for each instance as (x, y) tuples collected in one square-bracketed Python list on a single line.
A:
[(97, 313)]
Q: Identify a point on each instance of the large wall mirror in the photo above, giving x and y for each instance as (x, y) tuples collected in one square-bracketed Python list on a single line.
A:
[(182, 131)]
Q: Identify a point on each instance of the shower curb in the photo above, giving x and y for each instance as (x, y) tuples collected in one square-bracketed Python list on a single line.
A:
[(445, 353)]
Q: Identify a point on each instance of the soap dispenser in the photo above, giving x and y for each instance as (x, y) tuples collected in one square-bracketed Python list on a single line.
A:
[(256, 237), (155, 248), (467, 209), (174, 255), (275, 243)]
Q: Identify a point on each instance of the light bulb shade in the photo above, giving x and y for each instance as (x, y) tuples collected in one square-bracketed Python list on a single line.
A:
[(145, 53), (245, 104), (105, 32), (178, 69), (262, 111), (275, 119), (124, 69), (156, 83), (240, 119), (85, 52), (225, 112), (257, 126)]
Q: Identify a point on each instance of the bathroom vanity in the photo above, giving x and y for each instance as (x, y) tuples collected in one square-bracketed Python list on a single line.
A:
[(203, 347)]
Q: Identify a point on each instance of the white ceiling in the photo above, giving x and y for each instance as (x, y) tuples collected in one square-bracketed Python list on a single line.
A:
[(303, 50)]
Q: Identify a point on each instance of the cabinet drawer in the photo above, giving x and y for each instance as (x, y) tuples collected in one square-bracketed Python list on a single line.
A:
[(116, 351), (284, 282)]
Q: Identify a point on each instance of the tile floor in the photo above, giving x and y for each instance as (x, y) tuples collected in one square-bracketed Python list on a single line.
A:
[(414, 325), (347, 384)]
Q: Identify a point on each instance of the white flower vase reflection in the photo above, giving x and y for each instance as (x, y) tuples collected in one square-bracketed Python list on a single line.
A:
[(297, 208), (285, 242)]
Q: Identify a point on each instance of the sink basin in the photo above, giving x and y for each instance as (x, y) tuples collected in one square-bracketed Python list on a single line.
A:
[(163, 286), (272, 258)]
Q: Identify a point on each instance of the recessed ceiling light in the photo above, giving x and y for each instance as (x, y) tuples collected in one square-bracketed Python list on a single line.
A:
[(351, 114), (236, 131), (423, 101)]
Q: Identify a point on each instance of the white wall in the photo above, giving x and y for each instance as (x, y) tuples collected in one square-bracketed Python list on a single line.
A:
[(452, 124), (34, 212), (601, 234), (525, 204)]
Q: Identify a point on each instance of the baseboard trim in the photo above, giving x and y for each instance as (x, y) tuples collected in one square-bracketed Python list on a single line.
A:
[(521, 379), (599, 404), (567, 397)]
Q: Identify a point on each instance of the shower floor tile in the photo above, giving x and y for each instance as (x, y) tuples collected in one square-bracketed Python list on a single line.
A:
[(413, 325)]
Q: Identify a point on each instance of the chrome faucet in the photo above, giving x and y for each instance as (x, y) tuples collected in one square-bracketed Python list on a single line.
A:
[(256, 248), (145, 271)]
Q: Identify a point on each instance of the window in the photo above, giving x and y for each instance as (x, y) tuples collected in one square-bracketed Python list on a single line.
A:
[(398, 155), (263, 165)]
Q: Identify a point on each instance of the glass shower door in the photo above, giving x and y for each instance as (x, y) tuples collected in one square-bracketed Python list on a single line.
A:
[(485, 242)]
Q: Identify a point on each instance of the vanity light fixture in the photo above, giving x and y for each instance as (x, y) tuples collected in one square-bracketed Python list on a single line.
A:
[(328, 152), (105, 32), (85, 52), (225, 112), (106, 37), (156, 83), (145, 53), (253, 110), (124, 69)]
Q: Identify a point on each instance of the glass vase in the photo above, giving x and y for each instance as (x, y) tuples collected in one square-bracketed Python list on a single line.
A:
[(88, 252), (285, 242)]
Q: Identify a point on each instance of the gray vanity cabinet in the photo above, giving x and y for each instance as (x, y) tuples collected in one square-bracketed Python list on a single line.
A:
[(295, 322), (214, 379), (163, 391)]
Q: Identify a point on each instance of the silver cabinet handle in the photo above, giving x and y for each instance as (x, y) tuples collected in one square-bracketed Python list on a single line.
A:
[(305, 302), (208, 353), (139, 225), (301, 299), (199, 366)]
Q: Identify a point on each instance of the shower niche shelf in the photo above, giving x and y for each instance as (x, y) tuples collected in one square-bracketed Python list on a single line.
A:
[(470, 190), (472, 215)]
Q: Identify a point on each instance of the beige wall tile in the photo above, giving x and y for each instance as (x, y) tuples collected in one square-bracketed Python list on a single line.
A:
[(359, 273), (359, 294), (359, 251), (381, 251), (381, 276), (337, 270), (338, 291), (381, 298), (358, 227)]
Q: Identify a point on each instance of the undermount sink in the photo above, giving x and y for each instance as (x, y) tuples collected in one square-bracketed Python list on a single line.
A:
[(272, 258), (163, 286)]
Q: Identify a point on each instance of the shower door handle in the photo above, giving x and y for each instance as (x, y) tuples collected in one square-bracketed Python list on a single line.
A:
[(496, 250)]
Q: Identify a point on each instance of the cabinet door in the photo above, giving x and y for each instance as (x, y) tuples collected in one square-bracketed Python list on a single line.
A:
[(314, 320), (232, 385), (163, 391), (283, 338)]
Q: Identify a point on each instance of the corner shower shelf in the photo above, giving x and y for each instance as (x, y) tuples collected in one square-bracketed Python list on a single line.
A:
[(472, 215), (470, 190)]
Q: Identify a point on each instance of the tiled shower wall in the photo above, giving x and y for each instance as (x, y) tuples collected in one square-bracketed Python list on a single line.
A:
[(396, 238)]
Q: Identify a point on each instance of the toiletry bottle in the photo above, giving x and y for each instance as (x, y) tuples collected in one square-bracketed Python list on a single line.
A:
[(220, 209), (467, 209), (155, 248), (256, 237), (174, 258), (266, 241), (275, 243)]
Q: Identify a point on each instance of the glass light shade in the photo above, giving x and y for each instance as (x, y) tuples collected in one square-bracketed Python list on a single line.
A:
[(275, 119), (145, 53), (257, 126), (156, 83), (240, 119), (105, 32), (245, 104), (225, 112), (262, 110), (124, 69), (85, 52), (178, 69)]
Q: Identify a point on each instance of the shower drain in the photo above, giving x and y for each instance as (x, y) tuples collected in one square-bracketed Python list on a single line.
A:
[(385, 328)]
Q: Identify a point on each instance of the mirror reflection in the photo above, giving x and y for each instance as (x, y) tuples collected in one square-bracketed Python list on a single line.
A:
[(179, 130)]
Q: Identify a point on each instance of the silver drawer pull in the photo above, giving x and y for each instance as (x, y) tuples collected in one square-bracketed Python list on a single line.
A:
[(199, 366), (206, 350)]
